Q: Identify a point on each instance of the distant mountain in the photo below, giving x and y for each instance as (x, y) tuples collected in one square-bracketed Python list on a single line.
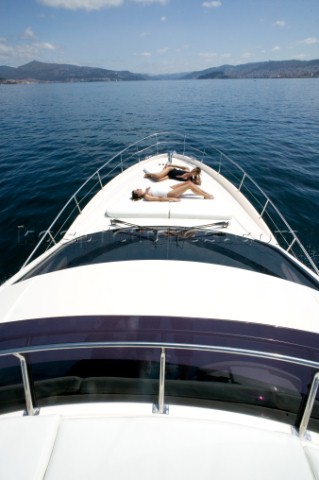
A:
[(271, 69), (169, 76), (54, 72)]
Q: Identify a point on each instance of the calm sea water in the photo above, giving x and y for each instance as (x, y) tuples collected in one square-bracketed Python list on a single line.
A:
[(52, 136)]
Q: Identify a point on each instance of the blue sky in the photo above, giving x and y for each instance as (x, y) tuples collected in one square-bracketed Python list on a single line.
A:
[(157, 36)]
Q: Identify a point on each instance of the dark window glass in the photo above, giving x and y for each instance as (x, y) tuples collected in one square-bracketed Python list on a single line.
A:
[(264, 387), (158, 243), (11, 387)]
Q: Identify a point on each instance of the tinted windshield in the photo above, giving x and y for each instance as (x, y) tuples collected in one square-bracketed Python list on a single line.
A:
[(209, 363), (156, 243)]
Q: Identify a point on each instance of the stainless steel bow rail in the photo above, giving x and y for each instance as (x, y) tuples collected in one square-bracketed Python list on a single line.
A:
[(168, 142), (161, 407)]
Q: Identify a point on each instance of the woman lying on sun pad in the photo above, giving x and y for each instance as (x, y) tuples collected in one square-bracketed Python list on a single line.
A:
[(166, 193), (176, 172)]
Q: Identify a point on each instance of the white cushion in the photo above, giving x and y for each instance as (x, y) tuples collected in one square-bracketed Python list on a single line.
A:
[(26, 446), (199, 208), (138, 209), (188, 208), (312, 454)]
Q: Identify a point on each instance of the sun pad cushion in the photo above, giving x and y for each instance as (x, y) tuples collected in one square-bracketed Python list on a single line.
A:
[(139, 209), (195, 207), (198, 208)]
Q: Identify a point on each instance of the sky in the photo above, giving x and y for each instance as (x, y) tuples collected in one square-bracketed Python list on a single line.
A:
[(157, 36)]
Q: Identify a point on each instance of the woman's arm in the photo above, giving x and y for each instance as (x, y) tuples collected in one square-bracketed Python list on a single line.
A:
[(194, 178), (197, 180), (180, 167), (152, 198)]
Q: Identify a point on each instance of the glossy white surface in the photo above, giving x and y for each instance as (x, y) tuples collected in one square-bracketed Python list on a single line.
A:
[(114, 201), (127, 441), (143, 446), (136, 288), (26, 445)]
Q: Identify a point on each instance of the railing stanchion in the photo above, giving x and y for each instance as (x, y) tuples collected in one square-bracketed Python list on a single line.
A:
[(161, 408), (264, 208), (30, 410), (77, 204), (220, 163), (309, 406), (293, 241), (52, 237), (98, 176), (242, 181), (161, 394)]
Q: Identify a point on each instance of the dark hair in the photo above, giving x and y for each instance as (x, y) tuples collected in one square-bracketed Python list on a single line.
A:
[(197, 170), (135, 196)]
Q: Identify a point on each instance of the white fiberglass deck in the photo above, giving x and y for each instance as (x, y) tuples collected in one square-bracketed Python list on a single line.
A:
[(189, 443), (264, 319), (228, 204), (224, 292)]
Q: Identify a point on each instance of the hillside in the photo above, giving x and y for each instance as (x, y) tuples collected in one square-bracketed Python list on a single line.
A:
[(271, 69), (54, 72)]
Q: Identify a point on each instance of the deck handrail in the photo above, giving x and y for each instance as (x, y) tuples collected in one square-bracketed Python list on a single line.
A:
[(161, 142), (159, 345), (161, 408), (268, 201)]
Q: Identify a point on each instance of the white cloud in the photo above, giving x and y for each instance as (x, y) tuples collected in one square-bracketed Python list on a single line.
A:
[(143, 54), (182, 48), (302, 56), (208, 55), (150, 2), (24, 52), (279, 23), (46, 46), (82, 4), (275, 49), (310, 41), (28, 33), (161, 51), (90, 5), (212, 4), (5, 50)]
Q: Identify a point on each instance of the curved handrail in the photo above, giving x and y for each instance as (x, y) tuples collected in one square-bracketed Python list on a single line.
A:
[(165, 141), (246, 352), (306, 407)]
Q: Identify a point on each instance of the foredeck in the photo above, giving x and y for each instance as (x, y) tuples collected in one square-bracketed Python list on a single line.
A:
[(114, 202), (239, 207)]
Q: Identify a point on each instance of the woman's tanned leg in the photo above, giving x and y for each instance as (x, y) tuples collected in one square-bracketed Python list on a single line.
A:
[(178, 190), (159, 177)]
